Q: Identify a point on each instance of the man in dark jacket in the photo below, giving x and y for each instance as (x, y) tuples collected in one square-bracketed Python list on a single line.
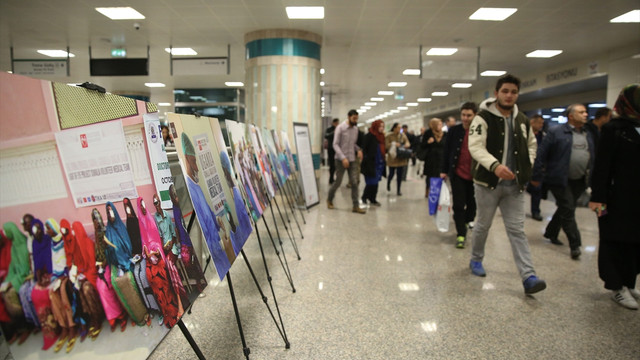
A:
[(537, 125), (328, 135), (564, 163), (456, 165), (603, 116)]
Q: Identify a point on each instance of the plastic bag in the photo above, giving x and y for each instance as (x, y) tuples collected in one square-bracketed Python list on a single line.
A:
[(434, 194), (443, 215)]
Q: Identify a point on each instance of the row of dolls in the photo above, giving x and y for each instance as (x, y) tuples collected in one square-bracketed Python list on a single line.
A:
[(57, 280)]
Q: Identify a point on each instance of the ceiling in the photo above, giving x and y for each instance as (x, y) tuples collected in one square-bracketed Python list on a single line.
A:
[(366, 43)]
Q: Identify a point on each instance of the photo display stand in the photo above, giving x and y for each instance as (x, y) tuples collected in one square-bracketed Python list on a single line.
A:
[(305, 162), (296, 190)]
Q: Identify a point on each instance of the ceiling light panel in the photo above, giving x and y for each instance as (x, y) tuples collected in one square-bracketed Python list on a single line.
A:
[(55, 53), (153, 85), (424, 100), (632, 16), (461, 85), (439, 93), (442, 51), (305, 12), (120, 13), (397, 84), (234, 83), (385, 92), (493, 73), (181, 51), (544, 53), (492, 14), (371, 104), (411, 72), (377, 99)]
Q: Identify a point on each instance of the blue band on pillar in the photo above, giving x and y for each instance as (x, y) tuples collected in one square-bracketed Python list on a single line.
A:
[(283, 47)]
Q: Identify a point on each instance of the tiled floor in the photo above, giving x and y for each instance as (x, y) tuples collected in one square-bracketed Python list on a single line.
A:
[(388, 285)]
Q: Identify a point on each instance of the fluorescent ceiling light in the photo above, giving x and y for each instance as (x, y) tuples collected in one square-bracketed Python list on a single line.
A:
[(557, 110), (321, 71), (546, 116), (393, 112), (439, 93), (120, 13), (321, 83), (403, 108), (377, 99), (164, 104), (411, 72), (365, 107), (385, 92), (632, 16), (492, 14), (371, 104), (597, 105), (397, 84), (441, 51), (424, 99), (181, 51), (544, 53), (154, 85), (55, 53), (305, 12), (234, 83), (493, 73), (461, 85), (412, 104)]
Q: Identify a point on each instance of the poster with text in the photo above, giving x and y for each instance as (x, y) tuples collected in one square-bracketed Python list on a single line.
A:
[(262, 160), (279, 175), (96, 163), (248, 173), (305, 159), (287, 149), (282, 158), (158, 158)]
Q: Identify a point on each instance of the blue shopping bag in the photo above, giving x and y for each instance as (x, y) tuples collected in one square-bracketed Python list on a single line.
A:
[(435, 184)]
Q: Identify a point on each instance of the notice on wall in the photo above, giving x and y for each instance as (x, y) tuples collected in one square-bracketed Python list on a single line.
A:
[(37, 68), (305, 161), (96, 163), (158, 157)]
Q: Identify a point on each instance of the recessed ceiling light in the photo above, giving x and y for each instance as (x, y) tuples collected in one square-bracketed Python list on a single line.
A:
[(557, 110), (154, 85), (424, 99), (393, 112), (377, 99), (439, 93), (493, 73), (632, 16), (365, 107), (321, 83), (181, 51), (234, 83), (164, 104), (403, 108), (411, 72), (55, 53), (385, 92), (461, 85), (371, 104), (397, 84), (305, 12), (412, 104), (321, 71), (441, 51), (120, 13), (597, 105), (544, 53), (492, 14)]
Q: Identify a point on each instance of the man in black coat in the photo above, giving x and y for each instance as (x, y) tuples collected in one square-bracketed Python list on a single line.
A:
[(328, 135)]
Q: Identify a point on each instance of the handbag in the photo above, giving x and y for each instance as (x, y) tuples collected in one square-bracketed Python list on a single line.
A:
[(435, 183), (443, 215), (403, 153)]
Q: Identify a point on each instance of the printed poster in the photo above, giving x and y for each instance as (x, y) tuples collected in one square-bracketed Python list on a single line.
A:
[(277, 172), (307, 172), (287, 149), (158, 158), (262, 160), (96, 163)]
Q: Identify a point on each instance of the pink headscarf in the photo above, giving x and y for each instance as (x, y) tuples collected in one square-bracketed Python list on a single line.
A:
[(149, 230)]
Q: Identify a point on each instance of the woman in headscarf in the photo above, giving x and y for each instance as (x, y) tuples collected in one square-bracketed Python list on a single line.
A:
[(615, 196), (14, 268), (27, 287), (64, 302), (244, 227), (108, 297), (398, 139), (373, 165), (139, 263), (189, 258), (120, 260), (432, 145), (40, 293)]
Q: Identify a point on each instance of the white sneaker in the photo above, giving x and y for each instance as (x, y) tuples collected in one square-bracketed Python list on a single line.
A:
[(624, 298), (470, 224), (635, 293)]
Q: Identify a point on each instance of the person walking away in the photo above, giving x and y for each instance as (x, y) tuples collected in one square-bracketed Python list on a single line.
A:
[(503, 149), (373, 165), (348, 153), (537, 124), (456, 165), (615, 196), (395, 164), (603, 116), (328, 135), (564, 162)]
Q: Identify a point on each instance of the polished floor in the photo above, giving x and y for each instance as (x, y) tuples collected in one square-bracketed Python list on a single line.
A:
[(388, 285)]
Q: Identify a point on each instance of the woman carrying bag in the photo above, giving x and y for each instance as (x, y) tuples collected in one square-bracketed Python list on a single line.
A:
[(396, 143)]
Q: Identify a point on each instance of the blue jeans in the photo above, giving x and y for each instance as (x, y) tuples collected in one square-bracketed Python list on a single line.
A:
[(511, 203)]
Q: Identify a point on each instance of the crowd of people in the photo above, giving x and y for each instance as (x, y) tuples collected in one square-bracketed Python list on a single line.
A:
[(494, 156)]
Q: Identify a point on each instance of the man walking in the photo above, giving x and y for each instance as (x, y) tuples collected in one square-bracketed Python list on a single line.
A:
[(456, 164), (564, 161), (503, 149), (603, 116), (348, 153), (537, 124), (328, 135)]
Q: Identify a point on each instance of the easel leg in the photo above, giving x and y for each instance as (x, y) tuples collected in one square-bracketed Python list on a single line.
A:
[(289, 196), (285, 265), (295, 247), (245, 348), (192, 342)]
